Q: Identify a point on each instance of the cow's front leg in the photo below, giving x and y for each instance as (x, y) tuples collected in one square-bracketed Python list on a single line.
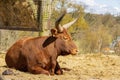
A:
[(38, 70), (58, 70), (53, 66)]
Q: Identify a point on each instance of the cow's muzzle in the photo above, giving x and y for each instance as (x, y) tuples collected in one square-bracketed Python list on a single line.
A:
[(74, 51)]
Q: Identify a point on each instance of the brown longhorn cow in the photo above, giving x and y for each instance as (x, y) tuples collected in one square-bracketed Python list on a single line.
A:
[(39, 55)]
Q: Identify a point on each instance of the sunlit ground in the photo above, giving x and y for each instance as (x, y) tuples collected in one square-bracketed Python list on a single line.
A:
[(79, 67)]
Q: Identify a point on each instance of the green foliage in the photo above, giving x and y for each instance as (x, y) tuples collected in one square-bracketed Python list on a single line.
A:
[(118, 19), (108, 20), (77, 11), (91, 19), (95, 39), (80, 24)]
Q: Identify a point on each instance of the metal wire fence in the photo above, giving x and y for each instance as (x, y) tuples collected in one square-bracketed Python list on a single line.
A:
[(26, 15)]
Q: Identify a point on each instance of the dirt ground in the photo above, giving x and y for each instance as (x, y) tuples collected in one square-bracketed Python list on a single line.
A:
[(80, 67)]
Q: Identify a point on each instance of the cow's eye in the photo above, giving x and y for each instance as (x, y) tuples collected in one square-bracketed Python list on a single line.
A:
[(65, 38)]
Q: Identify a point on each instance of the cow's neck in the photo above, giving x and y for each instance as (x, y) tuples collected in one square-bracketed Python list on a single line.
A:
[(56, 45)]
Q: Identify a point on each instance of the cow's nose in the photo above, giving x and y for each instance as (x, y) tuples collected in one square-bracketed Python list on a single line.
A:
[(75, 51)]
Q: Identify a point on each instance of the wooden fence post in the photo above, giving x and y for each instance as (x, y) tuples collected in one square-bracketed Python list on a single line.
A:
[(45, 8)]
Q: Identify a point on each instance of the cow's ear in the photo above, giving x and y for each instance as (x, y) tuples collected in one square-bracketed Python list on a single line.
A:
[(54, 32)]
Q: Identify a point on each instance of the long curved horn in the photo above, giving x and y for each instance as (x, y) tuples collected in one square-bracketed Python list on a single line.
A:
[(69, 24), (57, 22)]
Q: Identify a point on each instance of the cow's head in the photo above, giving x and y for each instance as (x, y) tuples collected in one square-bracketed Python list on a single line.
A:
[(64, 42)]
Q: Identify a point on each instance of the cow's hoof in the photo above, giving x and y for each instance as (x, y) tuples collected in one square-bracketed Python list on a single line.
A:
[(59, 72), (52, 74), (8, 72)]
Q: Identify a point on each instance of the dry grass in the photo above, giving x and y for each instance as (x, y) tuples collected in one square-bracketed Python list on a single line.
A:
[(82, 67)]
